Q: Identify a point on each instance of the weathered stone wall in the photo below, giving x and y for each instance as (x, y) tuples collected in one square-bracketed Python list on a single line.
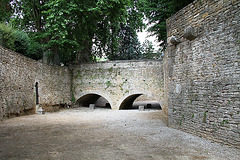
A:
[(17, 84), (117, 80), (202, 73), (54, 84)]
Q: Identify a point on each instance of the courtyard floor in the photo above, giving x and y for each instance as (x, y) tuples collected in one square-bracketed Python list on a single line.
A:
[(101, 134)]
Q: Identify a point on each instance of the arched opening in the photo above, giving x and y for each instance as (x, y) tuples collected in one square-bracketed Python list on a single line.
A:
[(90, 99), (149, 102), (128, 102), (136, 100)]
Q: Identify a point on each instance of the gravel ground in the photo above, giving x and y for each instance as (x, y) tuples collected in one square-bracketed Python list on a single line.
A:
[(101, 134)]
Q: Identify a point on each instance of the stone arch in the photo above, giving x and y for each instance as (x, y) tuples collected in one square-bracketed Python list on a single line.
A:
[(85, 99), (148, 101), (128, 101)]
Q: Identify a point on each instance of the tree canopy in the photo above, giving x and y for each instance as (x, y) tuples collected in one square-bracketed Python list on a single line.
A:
[(78, 31), (72, 29), (20, 42), (129, 46), (157, 12), (6, 10)]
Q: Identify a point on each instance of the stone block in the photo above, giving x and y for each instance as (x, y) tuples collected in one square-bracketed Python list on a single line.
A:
[(141, 108), (190, 33), (40, 111), (174, 40), (92, 106)]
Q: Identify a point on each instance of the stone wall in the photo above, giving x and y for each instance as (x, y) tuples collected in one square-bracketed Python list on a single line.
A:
[(18, 75), (117, 80), (202, 73), (54, 84), (17, 92)]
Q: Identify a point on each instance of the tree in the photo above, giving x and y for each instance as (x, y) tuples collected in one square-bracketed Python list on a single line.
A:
[(129, 46), (7, 37), (76, 30), (72, 29), (149, 52), (28, 15), (5, 10), (20, 42), (148, 49), (157, 12)]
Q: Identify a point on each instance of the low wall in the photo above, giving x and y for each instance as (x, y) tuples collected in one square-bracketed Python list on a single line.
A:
[(202, 71), (18, 76)]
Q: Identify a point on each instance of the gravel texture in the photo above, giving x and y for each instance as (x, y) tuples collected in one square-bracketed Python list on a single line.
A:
[(102, 134)]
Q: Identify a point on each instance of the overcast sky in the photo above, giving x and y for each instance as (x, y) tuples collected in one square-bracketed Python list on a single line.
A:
[(142, 36)]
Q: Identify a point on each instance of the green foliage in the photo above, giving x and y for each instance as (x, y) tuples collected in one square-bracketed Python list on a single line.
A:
[(73, 99), (148, 48), (129, 46), (76, 31), (28, 15), (100, 59), (205, 117), (7, 36), (35, 50), (5, 10), (149, 52), (127, 91), (110, 69), (181, 120), (80, 26), (20, 42), (108, 83), (157, 12), (224, 122)]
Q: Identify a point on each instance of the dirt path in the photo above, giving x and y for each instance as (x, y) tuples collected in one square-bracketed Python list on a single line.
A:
[(83, 134)]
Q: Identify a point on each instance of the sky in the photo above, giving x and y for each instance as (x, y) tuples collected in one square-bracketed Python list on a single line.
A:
[(142, 36)]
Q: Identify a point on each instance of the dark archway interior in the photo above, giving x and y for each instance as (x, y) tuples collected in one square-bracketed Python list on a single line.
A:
[(96, 99), (136, 100), (148, 105), (128, 102)]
